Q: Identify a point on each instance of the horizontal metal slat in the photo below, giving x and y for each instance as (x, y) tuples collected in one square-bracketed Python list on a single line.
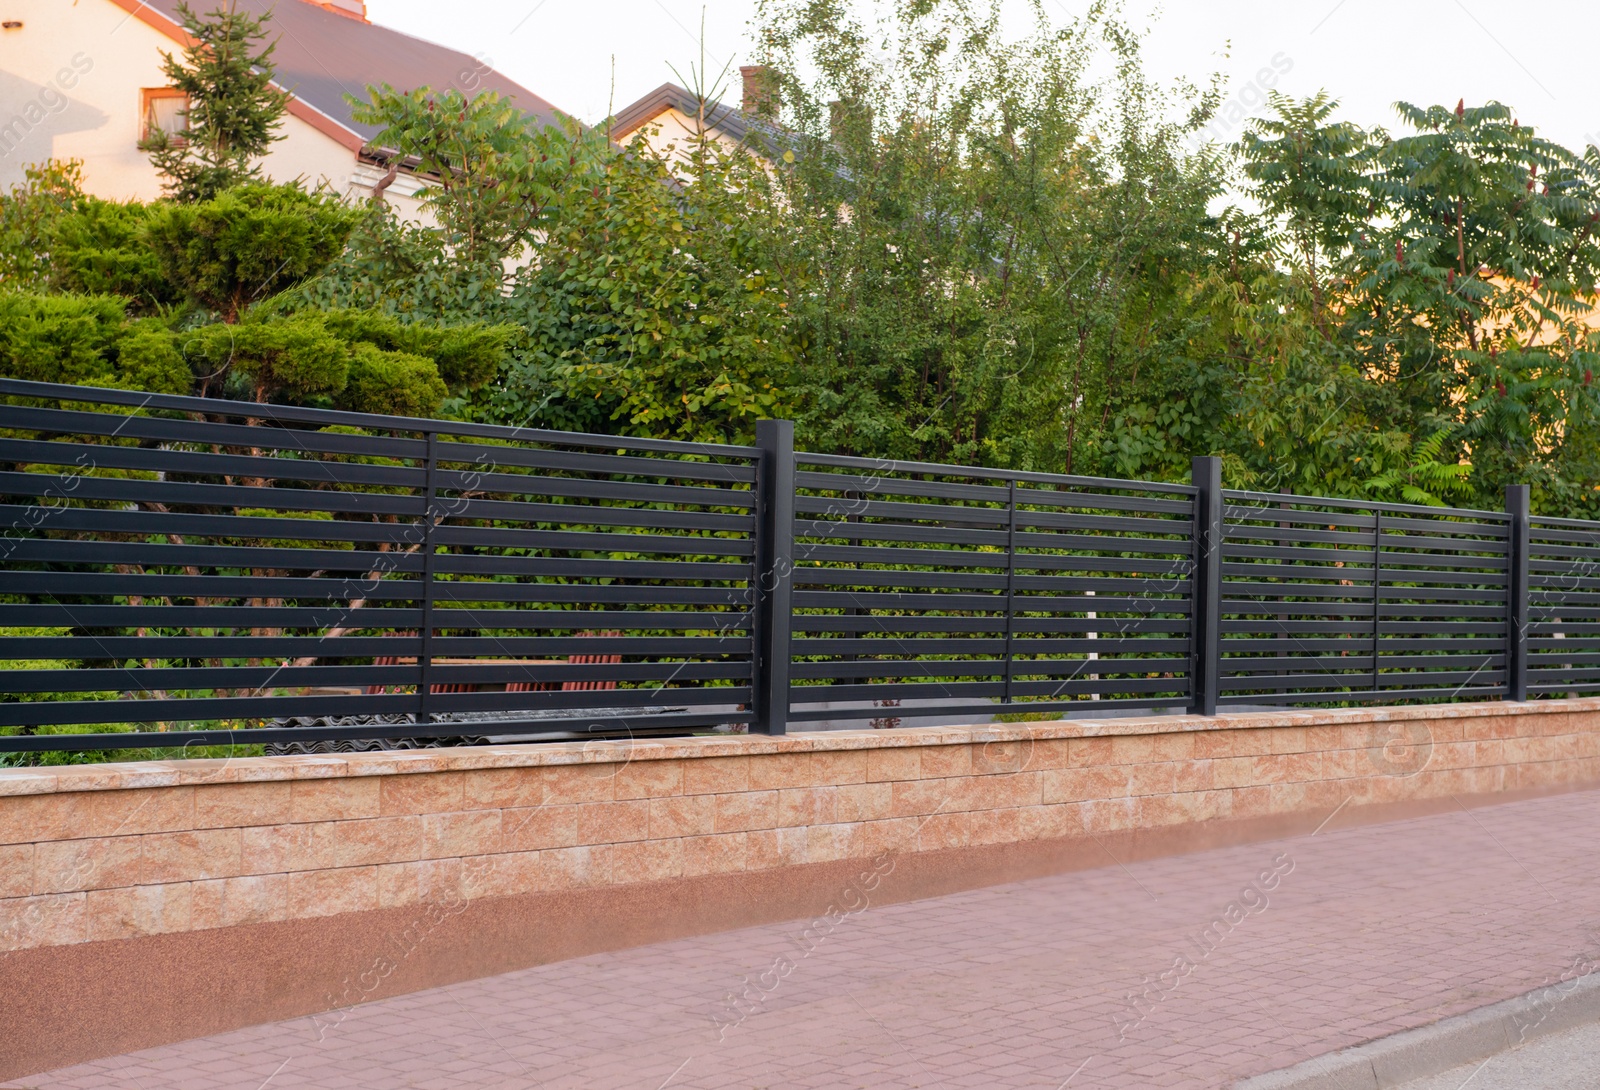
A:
[(592, 514), (979, 646), (1274, 499), (241, 436), (133, 490), (508, 537), (83, 458), (1459, 692), (60, 551), (485, 458), (889, 465), (1488, 675), (159, 648), (90, 520), (972, 690), (800, 713), (968, 668), (591, 489)]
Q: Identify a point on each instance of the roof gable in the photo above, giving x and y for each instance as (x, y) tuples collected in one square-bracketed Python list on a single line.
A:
[(322, 55), (669, 96)]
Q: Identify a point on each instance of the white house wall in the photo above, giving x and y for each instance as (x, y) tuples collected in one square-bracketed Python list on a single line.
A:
[(70, 82), (673, 131)]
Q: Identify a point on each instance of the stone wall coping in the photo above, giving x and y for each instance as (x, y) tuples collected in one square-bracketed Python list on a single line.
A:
[(145, 774)]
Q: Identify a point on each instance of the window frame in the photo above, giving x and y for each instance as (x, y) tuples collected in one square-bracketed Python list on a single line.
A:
[(148, 96)]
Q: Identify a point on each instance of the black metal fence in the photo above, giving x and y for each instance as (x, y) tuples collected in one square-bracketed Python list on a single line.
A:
[(210, 567)]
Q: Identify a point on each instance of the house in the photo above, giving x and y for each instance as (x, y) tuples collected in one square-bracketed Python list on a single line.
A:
[(83, 80), (671, 116)]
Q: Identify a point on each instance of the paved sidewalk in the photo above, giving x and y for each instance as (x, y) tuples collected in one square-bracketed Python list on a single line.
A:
[(1368, 930), (1562, 1061)]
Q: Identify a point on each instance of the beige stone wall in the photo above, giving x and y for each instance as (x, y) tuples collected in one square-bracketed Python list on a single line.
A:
[(92, 853)]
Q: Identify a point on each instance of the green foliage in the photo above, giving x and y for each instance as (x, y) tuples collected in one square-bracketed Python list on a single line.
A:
[(148, 359), (102, 248), (104, 262), (496, 171), (1451, 270), (405, 270), (86, 340), (1425, 480), (652, 307), (393, 383), (360, 361), (990, 251), (234, 111), (945, 242), (286, 542), (654, 300), (55, 237), (248, 244), (467, 355), (290, 359), (28, 214)]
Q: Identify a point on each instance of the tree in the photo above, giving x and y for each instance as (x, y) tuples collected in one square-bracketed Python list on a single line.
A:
[(234, 109), (495, 170), (652, 307), (989, 245), (1456, 265), (200, 299), (54, 237), (247, 244), (655, 301), (1309, 176), (87, 341)]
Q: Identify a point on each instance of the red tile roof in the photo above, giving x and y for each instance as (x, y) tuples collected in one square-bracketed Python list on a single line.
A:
[(323, 55)]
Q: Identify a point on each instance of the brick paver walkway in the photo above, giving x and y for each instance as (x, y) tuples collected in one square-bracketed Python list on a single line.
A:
[(1374, 929)]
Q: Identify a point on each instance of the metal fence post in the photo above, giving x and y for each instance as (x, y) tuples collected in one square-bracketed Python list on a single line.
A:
[(1205, 617), (1011, 583), (773, 576), (1517, 594), (1377, 594), (425, 630)]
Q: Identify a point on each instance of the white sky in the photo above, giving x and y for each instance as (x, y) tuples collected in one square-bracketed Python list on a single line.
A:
[(1537, 58)]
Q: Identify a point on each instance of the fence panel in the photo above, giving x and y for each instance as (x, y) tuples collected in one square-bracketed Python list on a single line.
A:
[(1333, 601), (317, 576), (1563, 607), (210, 565), (926, 589)]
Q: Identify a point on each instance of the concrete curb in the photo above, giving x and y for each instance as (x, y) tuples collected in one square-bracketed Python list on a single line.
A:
[(1430, 1050)]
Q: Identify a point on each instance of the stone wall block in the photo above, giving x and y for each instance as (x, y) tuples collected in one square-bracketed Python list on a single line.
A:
[(68, 866), (187, 856), (231, 805), (614, 822), (716, 776), (334, 799), (131, 911)]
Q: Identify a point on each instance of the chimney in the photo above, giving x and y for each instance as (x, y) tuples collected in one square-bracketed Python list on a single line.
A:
[(354, 9), (760, 90)]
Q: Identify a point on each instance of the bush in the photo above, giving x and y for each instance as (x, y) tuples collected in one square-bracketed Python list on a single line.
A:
[(287, 358), (147, 359), (100, 248), (248, 244), (86, 340), (393, 383), (467, 356)]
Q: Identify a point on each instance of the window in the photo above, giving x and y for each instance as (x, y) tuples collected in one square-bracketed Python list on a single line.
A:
[(166, 110)]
